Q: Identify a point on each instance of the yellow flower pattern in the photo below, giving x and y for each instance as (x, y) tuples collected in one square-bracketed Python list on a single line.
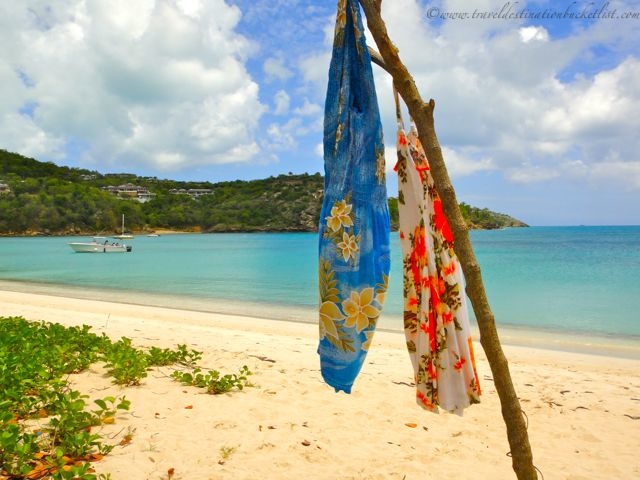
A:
[(381, 295), (360, 313), (341, 231), (329, 315), (349, 246), (340, 216)]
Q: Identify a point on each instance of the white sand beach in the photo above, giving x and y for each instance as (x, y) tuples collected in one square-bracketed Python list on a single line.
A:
[(583, 410)]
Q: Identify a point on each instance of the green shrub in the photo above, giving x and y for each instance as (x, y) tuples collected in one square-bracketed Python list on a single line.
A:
[(213, 381), (35, 358)]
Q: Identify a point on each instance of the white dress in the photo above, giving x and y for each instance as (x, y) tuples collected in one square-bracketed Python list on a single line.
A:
[(436, 319)]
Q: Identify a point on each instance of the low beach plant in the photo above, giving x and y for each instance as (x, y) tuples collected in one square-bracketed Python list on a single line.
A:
[(165, 356), (213, 381), (126, 364), (47, 429), (71, 429), (108, 407)]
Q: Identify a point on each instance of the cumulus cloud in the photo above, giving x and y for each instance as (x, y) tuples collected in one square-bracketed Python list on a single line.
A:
[(529, 34), (459, 164), (618, 172), (282, 137), (308, 109), (313, 69), (504, 97), (274, 68), (281, 101), (157, 82), (24, 136), (504, 100)]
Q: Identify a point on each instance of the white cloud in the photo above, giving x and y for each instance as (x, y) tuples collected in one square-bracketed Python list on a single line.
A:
[(21, 134), (281, 137), (621, 173), (607, 104), (528, 34), (289, 133), (390, 158), (156, 82), (13, 93), (281, 102), (459, 164), (530, 174), (274, 68), (190, 7), (308, 108), (169, 160), (503, 99), (313, 69)]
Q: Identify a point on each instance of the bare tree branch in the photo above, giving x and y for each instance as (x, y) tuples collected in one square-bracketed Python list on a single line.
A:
[(377, 58), (422, 113)]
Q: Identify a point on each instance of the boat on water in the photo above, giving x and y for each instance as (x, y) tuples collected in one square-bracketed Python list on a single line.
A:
[(123, 236), (98, 245)]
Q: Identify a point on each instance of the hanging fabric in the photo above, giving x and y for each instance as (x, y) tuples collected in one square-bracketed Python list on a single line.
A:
[(354, 220), (436, 319)]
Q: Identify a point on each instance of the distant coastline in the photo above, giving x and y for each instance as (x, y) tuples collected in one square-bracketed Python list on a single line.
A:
[(196, 231), (40, 199), (157, 231)]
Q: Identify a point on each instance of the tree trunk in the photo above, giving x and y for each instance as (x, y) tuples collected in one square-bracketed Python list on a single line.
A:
[(422, 114)]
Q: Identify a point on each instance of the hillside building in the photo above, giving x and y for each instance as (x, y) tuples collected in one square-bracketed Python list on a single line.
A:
[(129, 190), (192, 192)]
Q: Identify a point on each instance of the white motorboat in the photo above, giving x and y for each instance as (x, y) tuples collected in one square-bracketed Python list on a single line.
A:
[(123, 236), (96, 246)]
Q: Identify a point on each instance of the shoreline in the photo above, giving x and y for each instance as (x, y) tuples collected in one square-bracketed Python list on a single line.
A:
[(140, 233), (512, 335), (581, 409)]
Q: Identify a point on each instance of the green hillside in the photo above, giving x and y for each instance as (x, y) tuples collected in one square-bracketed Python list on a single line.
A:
[(43, 198), (485, 219)]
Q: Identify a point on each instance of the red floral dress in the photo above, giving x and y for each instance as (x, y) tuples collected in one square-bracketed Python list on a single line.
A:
[(436, 319)]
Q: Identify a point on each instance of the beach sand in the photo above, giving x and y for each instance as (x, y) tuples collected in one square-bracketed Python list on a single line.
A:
[(583, 410)]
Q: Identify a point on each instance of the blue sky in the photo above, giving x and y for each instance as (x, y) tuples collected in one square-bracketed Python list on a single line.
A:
[(538, 117)]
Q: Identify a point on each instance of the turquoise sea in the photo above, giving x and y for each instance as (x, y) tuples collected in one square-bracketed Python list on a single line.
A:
[(565, 280)]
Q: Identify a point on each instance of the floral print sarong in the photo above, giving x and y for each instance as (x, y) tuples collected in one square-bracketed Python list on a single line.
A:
[(354, 221), (436, 320)]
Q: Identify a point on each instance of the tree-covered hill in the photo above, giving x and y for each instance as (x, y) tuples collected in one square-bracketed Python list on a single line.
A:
[(485, 219), (43, 198)]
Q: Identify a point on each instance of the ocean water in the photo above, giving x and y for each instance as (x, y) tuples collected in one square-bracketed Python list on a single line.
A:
[(583, 280)]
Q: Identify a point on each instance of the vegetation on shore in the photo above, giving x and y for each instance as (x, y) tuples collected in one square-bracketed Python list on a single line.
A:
[(50, 431), (44, 198)]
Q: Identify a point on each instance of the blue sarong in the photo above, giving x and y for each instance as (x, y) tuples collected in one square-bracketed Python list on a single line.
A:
[(354, 221)]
